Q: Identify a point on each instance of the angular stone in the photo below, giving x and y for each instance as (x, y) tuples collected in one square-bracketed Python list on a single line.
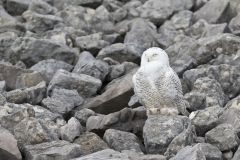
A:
[(49, 67), (52, 150), (36, 93), (17, 7), (167, 135), (227, 59), (120, 140), (88, 65), (17, 96), (41, 7), (223, 136), (92, 43), (85, 85), (40, 23), (115, 155), (210, 91), (121, 52), (31, 50), (237, 154), (71, 130), (125, 120), (30, 131), (26, 80), (159, 11), (115, 97), (205, 120), (141, 35), (214, 11), (8, 146), (90, 143), (3, 99), (89, 3), (6, 40), (234, 25), (83, 115)]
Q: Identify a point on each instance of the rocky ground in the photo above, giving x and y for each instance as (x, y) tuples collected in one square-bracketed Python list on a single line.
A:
[(66, 79)]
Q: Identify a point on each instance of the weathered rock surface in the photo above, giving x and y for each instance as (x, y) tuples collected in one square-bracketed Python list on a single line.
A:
[(83, 115)]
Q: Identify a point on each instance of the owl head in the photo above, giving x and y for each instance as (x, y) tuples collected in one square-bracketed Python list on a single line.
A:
[(156, 55)]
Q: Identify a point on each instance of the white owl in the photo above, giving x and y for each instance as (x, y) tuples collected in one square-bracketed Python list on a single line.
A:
[(157, 85)]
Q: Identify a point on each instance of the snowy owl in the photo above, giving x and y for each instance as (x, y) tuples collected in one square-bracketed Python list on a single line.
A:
[(157, 85)]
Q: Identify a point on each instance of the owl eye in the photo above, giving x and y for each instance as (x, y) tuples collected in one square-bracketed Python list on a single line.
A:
[(155, 54)]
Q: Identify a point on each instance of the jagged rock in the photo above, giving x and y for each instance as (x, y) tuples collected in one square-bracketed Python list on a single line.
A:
[(202, 29), (20, 64), (227, 59), (6, 18), (89, 3), (10, 73), (200, 151), (167, 135), (26, 80), (115, 97), (8, 146), (159, 11), (41, 7), (221, 73), (214, 11), (115, 155), (30, 131), (88, 65), (71, 130), (120, 140), (83, 115), (17, 96), (49, 67), (223, 136), (31, 51), (90, 143), (2, 86), (121, 52), (17, 7), (3, 100), (234, 25), (62, 101), (92, 43), (40, 23), (205, 120), (205, 93), (85, 85), (142, 34), (231, 114), (125, 120), (237, 154), (52, 150)]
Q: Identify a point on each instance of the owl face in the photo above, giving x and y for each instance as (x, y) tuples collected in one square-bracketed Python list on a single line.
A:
[(155, 54)]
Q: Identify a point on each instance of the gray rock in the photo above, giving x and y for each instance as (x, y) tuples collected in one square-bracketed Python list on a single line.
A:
[(209, 90), (3, 99), (30, 131), (159, 11), (214, 11), (92, 43), (223, 136), (121, 52), (62, 101), (227, 59), (8, 146), (205, 120), (36, 93), (31, 51), (41, 7), (85, 85), (83, 115), (26, 80), (202, 29), (17, 7), (89, 3), (6, 18), (49, 67), (120, 140), (40, 23), (71, 130), (142, 34), (88, 65), (227, 155), (115, 155), (52, 150), (17, 96), (200, 151), (10, 73), (237, 154), (231, 114), (221, 73), (167, 135), (234, 25), (115, 97), (125, 120), (90, 143)]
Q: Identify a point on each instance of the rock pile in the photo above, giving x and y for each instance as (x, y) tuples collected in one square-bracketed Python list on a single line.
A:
[(66, 72)]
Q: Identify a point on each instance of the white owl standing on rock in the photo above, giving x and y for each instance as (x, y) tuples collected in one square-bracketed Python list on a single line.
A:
[(157, 85)]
